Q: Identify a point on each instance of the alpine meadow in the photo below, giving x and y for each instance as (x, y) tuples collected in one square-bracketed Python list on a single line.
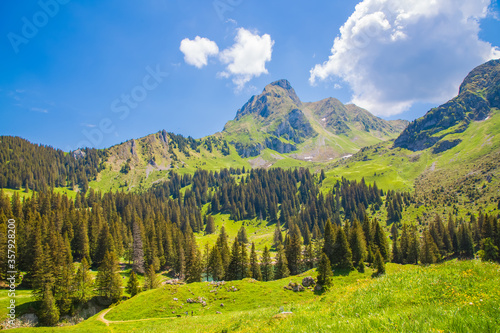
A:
[(296, 216)]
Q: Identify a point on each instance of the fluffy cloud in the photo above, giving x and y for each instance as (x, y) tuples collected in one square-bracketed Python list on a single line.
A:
[(197, 51), (394, 53), (247, 57)]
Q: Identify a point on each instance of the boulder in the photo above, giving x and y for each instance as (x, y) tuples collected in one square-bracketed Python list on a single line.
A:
[(308, 281)]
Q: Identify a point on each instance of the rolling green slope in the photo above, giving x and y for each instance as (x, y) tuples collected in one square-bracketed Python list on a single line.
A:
[(458, 296)]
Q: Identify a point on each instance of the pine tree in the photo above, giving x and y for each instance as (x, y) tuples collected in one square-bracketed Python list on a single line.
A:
[(329, 241), (413, 247), (223, 248), (429, 252), (151, 280), (233, 271), (244, 270), (193, 264), (357, 243), (216, 268), (267, 265), (293, 250), (108, 279), (310, 258), (489, 251), (380, 240), (379, 263), (138, 252), (281, 268), (396, 252), (278, 236), (342, 253), (83, 282), (242, 236), (48, 313), (325, 274), (210, 227), (133, 286), (254, 264)]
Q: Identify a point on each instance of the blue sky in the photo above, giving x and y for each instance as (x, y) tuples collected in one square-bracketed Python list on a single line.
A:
[(97, 73)]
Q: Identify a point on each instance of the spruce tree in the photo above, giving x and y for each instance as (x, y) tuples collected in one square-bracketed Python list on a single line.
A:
[(48, 313), (325, 274), (210, 227), (342, 253), (429, 252), (223, 248), (244, 270), (151, 279), (83, 282), (267, 265), (133, 286), (413, 246), (380, 240), (233, 271), (278, 236), (138, 251), (396, 252), (378, 263), (329, 241), (254, 264), (108, 280), (242, 235), (293, 250), (357, 243), (216, 267), (281, 268)]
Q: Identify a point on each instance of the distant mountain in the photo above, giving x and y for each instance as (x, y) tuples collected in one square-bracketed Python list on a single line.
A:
[(320, 131), (478, 94), (450, 155)]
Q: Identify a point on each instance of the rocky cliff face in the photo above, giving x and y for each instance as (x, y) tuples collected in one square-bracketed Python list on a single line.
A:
[(278, 120), (479, 92)]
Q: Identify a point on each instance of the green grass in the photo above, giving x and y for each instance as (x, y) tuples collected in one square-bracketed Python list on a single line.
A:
[(456, 296)]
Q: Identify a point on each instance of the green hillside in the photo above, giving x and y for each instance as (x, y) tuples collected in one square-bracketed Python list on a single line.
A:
[(458, 296)]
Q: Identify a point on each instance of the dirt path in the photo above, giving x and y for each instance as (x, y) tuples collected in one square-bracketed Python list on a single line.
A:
[(107, 322)]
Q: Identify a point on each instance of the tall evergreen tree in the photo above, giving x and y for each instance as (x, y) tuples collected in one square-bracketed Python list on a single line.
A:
[(48, 313), (254, 264), (83, 282), (293, 250), (325, 274), (233, 271), (138, 251), (357, 243), (133, 286), (216, 267), (329, 242), (379, 263), (151, 278), (281, 268), (380, 240), (210, 227), (342, 253), (267, 265), (429, 252), (108, 279)]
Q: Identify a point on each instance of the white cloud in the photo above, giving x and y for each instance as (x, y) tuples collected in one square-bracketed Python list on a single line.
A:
[(394, 53), (197, 51), (247, 57)]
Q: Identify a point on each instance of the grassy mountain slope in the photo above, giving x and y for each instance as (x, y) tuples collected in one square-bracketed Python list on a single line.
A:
[(318, 131), (459, 296), (455, 161)]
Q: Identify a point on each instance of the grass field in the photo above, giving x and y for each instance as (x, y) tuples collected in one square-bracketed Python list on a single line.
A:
[(455, 296)]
